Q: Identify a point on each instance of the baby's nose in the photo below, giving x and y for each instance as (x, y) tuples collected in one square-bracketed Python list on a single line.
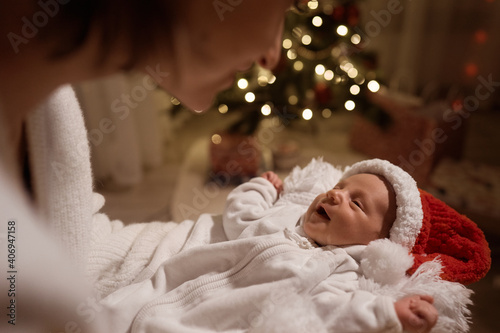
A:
[(336, 196)]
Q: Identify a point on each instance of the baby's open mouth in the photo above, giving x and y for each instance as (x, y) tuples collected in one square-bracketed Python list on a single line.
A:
[(321, 211)]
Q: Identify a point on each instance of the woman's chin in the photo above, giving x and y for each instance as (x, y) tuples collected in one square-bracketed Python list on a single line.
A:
[(198, 104)]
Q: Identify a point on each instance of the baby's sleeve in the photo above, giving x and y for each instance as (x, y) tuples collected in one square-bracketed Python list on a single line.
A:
[(359, 311), (247, 205)]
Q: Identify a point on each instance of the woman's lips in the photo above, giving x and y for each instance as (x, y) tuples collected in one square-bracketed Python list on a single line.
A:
[(245, 68)]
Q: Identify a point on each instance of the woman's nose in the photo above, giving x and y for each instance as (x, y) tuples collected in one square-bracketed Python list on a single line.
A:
[(271, 58)]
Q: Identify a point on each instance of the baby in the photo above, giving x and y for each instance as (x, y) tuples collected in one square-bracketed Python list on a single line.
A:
[(359, 209)]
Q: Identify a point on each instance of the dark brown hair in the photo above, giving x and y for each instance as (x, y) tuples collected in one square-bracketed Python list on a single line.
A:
[(143, 25)]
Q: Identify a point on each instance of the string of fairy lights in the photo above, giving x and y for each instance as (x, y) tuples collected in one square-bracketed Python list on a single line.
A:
[(308, 57)]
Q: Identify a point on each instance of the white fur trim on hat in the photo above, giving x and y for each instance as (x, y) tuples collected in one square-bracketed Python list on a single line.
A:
[(409, 213)]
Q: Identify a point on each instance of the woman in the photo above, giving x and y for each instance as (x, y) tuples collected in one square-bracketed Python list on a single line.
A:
[(196, 46), (192, 48)]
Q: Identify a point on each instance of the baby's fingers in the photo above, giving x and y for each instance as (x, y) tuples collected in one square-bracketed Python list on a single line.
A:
[(267, 175), (274, 179), (427, 298), (425, 312)]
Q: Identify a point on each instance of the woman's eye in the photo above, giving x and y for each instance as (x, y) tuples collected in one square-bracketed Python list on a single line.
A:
[(357, 203)]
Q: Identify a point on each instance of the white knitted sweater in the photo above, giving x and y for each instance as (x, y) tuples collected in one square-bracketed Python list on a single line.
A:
[(49, 236), (62, 184), (60, 170)]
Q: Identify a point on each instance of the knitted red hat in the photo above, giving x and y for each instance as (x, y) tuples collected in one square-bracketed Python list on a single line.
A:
[(429, 229), (457, 241)]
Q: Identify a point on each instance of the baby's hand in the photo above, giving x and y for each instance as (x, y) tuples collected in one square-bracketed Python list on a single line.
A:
[(273, 179), (416, 313)]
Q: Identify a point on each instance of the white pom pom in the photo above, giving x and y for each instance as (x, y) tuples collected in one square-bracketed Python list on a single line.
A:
[(385, 262)]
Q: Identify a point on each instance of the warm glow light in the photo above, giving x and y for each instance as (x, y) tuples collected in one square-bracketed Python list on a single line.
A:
[(471, 69), (342, 30), (359, 79), (355, 89), (480, 36), (326, 113), (291, 54), (306, 39), (317, 21), (352, 73), (307, 114), (216, 139), (313, 4), (223, 108), (287, 43), (298, 65), (373, 86), (320, 69), (350, 105), (262, 80), (355, 39), (346, 66), (266, 109), (242, 83), (293, 100), (249, 97), (272, 79), (329, 75)]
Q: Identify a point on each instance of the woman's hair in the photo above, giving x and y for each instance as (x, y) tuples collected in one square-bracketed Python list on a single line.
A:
[(142, 25)]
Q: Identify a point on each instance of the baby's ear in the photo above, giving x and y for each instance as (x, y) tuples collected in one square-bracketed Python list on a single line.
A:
[(385, 262)]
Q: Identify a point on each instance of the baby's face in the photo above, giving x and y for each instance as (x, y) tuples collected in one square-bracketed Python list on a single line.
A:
[(359, 209)]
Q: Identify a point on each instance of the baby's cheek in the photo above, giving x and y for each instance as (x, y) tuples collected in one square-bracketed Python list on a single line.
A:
[(308, 229)]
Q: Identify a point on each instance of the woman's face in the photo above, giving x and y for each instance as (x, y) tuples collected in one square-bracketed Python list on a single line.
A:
[(213, 40)]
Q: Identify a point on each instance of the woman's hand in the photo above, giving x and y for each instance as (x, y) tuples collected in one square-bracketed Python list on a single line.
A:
[(273, 179), (416, 313)]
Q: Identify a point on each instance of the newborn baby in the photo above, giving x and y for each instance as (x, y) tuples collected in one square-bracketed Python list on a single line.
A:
[(359, 209)]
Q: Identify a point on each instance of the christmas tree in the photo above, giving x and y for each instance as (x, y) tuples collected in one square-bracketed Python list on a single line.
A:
[(323, 69)]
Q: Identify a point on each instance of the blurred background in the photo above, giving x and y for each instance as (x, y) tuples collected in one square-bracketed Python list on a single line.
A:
[(414, 82)]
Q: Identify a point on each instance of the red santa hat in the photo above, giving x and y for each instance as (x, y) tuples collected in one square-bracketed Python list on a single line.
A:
[(426, 228)]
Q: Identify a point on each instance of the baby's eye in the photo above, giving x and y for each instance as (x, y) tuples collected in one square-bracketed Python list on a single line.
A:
[(357, 203)]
